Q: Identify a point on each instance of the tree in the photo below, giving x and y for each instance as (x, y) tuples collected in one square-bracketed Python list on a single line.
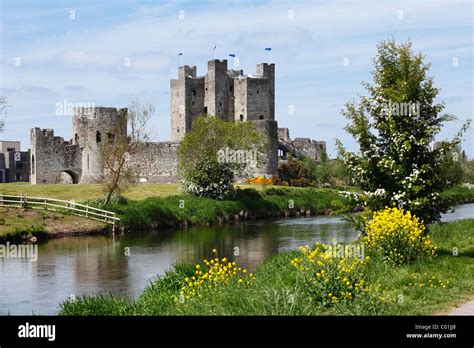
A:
[(117, 149), (214, 153), (394, 126)]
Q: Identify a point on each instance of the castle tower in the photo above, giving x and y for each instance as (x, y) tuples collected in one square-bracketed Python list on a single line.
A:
[(218, 88), (254, 96), (187, 101), (267, 72), (91, 127)]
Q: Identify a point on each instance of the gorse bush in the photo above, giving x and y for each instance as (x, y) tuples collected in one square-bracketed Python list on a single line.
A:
[(397, 236), (328, 279), (214, 275)]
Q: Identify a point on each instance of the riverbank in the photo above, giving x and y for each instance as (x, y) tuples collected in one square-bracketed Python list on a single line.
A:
[(159, 206), (426, 286), (20, 224), (186, 210)]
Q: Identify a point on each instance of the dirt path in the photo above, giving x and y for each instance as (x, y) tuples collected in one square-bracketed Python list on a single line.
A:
[(466, 308)]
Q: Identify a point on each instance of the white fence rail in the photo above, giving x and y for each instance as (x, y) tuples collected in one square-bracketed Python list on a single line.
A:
[(58, 205)]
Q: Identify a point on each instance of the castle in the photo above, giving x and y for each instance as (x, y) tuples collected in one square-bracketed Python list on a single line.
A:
[(228, 94)]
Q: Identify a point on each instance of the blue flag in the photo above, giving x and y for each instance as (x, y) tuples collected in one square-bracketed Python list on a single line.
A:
[(231, 55), (215, 46), (268, 49), (180, 54)]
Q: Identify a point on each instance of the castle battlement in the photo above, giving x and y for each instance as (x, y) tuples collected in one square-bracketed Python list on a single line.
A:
[(225, 93)]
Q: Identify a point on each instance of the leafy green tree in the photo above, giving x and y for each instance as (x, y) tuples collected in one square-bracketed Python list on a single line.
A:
[(394, 125), (215, 152)]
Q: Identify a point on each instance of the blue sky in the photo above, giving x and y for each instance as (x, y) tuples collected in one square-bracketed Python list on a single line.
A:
[(82, 59)]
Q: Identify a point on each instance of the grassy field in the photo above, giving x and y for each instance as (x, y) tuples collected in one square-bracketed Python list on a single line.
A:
[(85, 192), (277, 290), (16, 223)]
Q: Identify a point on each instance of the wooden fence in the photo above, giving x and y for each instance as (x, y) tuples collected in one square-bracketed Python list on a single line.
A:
[(59, 205)]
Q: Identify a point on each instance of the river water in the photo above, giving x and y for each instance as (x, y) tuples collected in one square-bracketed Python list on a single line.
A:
[(126, 264)]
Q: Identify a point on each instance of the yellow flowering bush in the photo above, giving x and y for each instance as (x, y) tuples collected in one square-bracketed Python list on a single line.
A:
[(260, 180), (213, 274), (328, 279), (397, 235)]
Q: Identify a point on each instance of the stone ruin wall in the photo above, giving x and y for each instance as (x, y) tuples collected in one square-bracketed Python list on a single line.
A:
[(300, 146), (157, 162), (53, 160)]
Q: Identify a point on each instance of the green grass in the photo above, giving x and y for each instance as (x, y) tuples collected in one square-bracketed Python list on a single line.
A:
[(458, 195), (85, 192), (16, 223), (277, 290)]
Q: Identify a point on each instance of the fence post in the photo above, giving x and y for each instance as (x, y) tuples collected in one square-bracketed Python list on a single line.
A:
[(1, 200)]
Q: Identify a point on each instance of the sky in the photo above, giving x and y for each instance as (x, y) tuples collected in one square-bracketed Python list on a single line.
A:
[(105, 53)]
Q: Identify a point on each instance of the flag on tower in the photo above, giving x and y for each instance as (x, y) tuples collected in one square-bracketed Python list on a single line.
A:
[(215, 46), (232, 55), (180, 54), (268, 49)]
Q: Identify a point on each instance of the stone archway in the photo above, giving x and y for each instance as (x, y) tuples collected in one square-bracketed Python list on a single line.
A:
[(69, 177)]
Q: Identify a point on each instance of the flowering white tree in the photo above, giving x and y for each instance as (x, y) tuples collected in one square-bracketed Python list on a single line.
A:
[(394, 126)]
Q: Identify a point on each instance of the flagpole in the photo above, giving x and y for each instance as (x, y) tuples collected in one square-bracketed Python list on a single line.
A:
[(269, 49)]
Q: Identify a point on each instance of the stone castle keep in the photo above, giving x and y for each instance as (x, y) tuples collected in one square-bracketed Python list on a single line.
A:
[(228, 94)]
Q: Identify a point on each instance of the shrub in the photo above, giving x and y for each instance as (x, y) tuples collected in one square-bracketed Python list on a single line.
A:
[(209, 179), (214, 274), (329, 279), (397, 236), (293, 173)]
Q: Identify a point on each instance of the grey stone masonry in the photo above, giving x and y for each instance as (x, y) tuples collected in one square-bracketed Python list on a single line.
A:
[(228, 94)]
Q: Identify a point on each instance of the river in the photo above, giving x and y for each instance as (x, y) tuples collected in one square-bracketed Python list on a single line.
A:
[(126, 264)]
